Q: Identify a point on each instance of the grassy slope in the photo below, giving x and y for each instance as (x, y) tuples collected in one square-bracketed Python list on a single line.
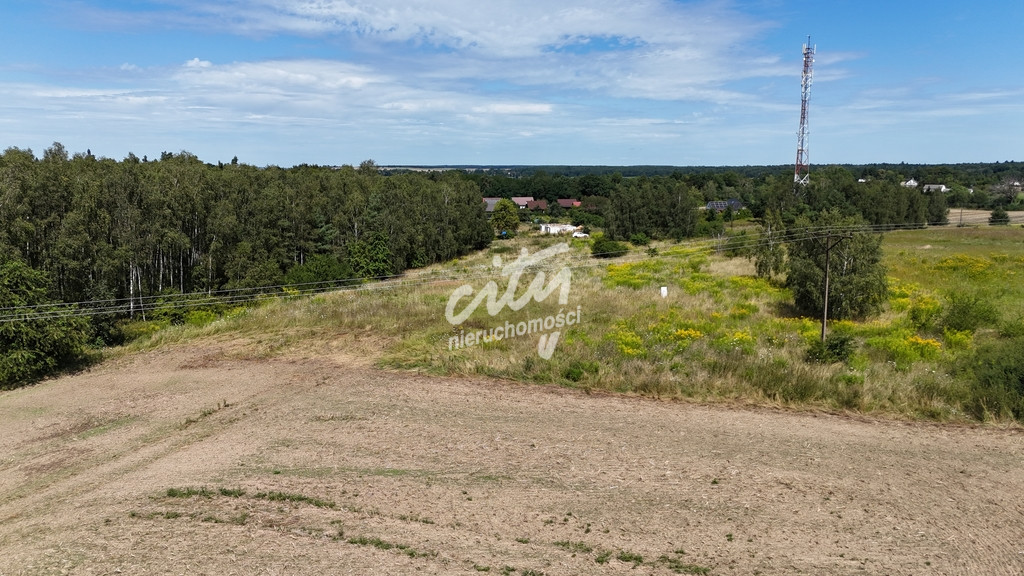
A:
[(720, 335)]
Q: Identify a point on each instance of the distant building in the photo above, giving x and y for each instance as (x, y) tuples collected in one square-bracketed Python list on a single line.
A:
[(569, 203), (936, 188), (721, 205), (489, 204), (557, 228), (909, 183), (537, 205), (522, 201)]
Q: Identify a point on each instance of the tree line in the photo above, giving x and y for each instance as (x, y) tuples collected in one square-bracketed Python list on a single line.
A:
[(102, 229)]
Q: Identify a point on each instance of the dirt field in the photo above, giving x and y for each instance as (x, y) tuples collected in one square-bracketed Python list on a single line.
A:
[(979, 217), (347, 469)]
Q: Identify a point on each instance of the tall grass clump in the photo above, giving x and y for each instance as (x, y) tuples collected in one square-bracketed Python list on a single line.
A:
[(996, 375)]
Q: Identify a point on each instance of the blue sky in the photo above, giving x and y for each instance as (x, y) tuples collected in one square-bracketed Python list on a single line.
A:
[(434, 82)]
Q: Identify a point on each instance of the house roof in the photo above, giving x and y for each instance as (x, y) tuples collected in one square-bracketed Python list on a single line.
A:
[(537, 205), (721, 205), (568, 202), (522, 201), (489, 204)]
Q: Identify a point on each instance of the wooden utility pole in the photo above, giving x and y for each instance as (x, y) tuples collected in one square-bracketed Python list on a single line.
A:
[(829, 245)]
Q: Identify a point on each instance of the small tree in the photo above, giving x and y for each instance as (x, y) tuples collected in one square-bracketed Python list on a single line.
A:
[(857, 284), (999, 217), (768, 253), (938, 211), (505, 218), (604, 247)]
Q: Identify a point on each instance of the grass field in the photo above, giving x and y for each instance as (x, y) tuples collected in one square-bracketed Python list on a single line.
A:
[(720, 334)]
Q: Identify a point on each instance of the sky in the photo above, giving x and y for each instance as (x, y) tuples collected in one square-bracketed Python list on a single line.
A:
[(478, 82)]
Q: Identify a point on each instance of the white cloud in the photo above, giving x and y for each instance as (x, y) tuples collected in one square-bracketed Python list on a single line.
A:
[(659, 49), (513, 108)]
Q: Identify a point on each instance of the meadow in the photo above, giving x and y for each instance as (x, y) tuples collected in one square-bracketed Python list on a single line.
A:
[(719, 335)]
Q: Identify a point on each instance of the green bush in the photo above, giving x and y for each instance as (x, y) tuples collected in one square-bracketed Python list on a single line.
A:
[(999, 217), (1012, 329), (996, 372), (131, 330), (578, 369), (904, 348), (923, 312), (199, 317), (837, 347), (639, 239), (968, 312), (605, 248)]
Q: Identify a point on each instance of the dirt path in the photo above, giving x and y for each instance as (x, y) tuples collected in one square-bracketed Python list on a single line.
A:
[(346, 469)]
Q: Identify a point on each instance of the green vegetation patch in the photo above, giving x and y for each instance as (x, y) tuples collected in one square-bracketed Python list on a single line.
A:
[(275, 496)]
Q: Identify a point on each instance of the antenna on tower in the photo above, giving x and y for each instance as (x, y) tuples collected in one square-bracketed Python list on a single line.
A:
[(802, 173)]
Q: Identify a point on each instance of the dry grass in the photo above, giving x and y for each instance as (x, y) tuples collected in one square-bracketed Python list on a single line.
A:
[(719, 335)]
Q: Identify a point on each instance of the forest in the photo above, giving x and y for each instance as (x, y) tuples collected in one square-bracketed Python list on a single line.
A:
[(103, 229)]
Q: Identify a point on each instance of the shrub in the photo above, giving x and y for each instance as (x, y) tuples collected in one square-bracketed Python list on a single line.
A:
[(1012, 329), (739, 340), (606, 248), (968, 312), (628, 342), (639, 239), (199, 317), (578, 369), (923, 311), (683, 337), (903, 348), (837, 347), (996, 371), (999, 217), (133, 330), (957, 340)]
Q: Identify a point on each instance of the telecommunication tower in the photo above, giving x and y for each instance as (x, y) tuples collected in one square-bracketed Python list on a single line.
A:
[(802, 172)]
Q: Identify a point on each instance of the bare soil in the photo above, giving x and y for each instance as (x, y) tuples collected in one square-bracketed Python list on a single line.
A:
[(979, 217), (349, 469)]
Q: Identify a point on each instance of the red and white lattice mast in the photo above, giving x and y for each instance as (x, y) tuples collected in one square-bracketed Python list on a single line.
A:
[(802, 172)]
